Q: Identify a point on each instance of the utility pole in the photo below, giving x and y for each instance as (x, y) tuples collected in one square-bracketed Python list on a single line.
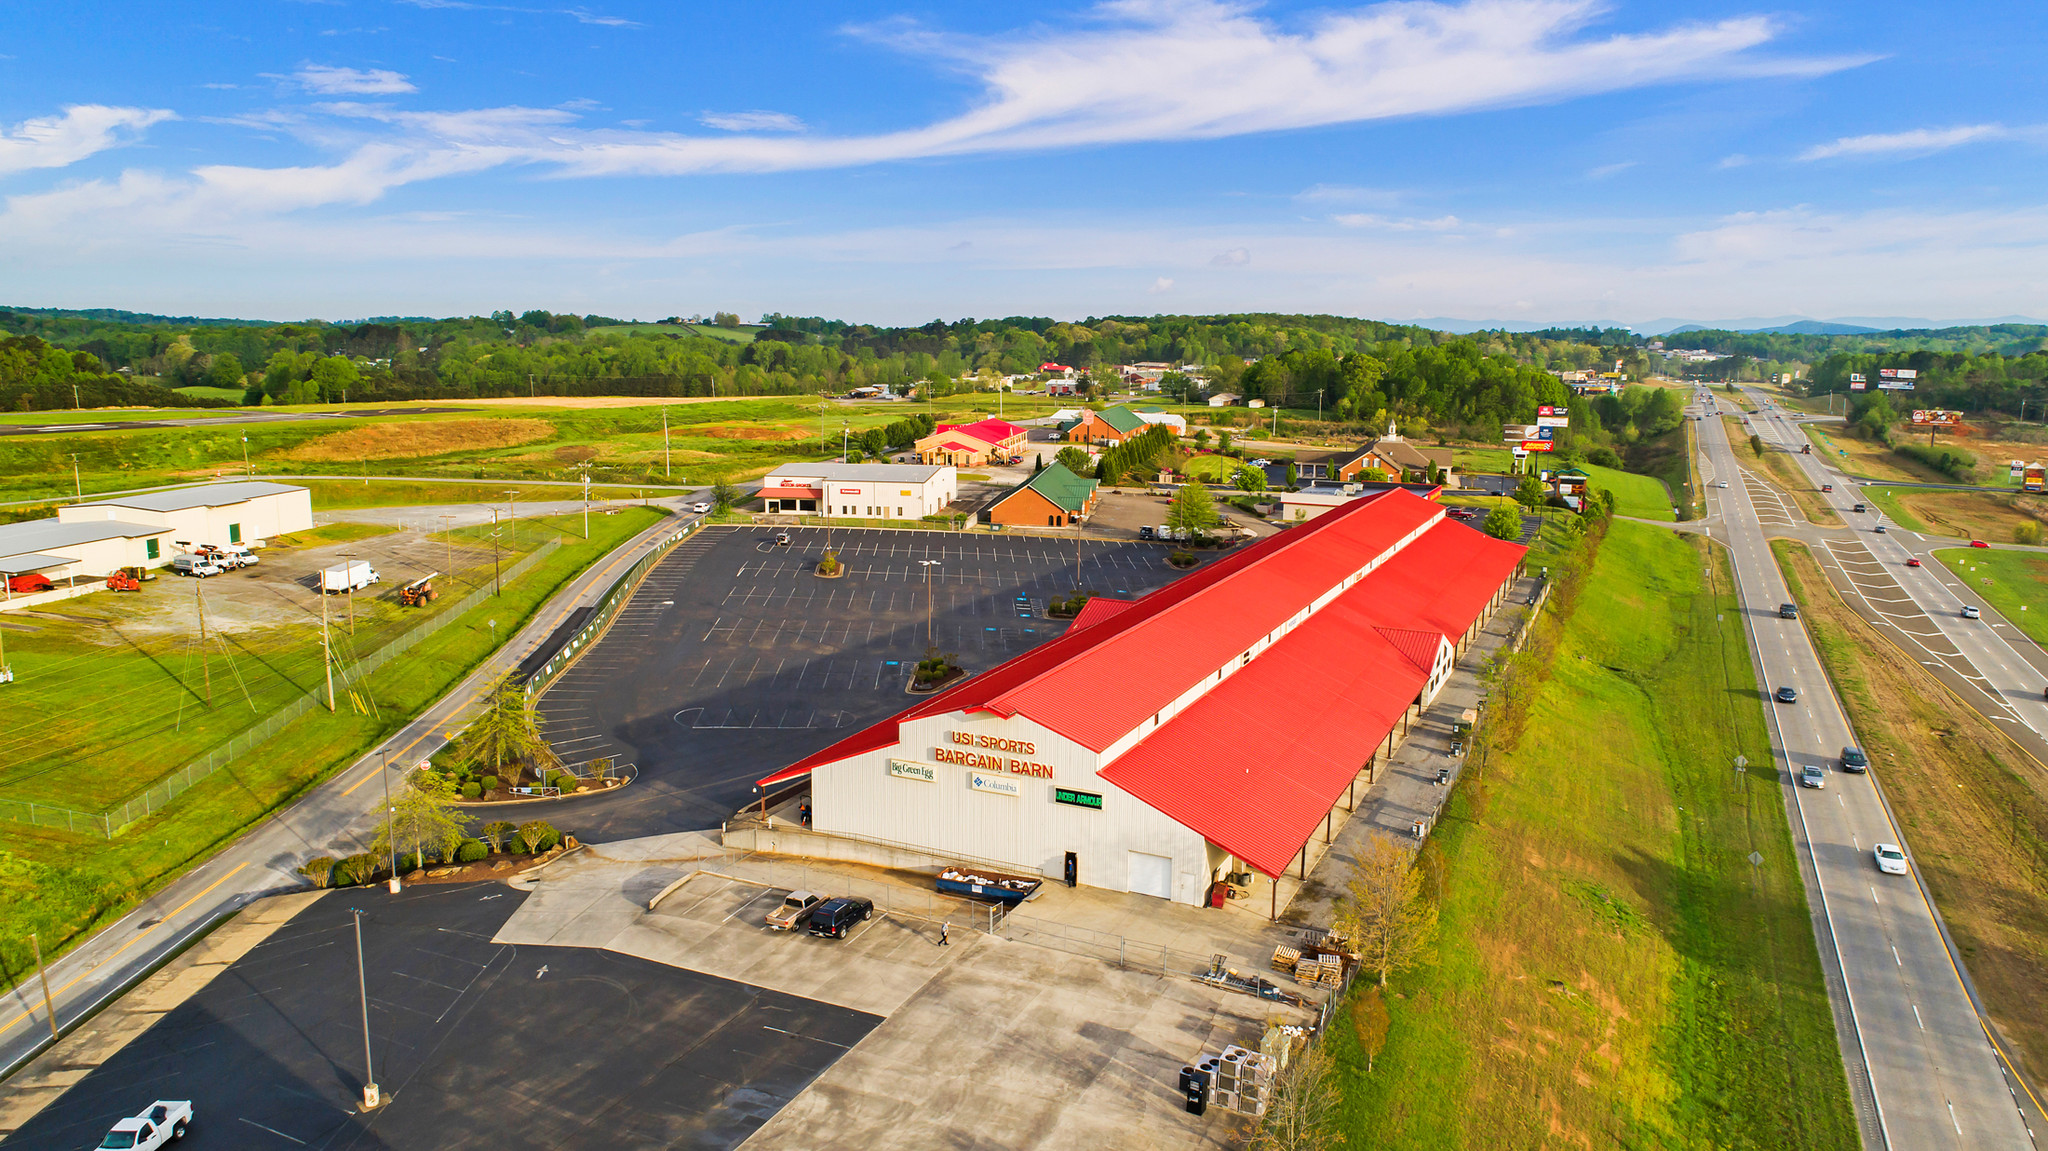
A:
[(586, 501), (371, 1098), (75, 405), (512, 524), (49, 1007), (205, 672), (350, 557), (667, 470), (496, 587), (928, 566), (245, 457), (448, 545), (326, 645), (77, 485), (845, 430)]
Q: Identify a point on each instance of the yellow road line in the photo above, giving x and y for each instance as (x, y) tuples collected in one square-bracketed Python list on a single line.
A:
[(137, 938)]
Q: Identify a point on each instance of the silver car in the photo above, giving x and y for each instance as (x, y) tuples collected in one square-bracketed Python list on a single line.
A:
[(1812, 776)]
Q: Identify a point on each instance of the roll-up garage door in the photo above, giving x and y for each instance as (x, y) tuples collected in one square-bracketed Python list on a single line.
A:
[(1152, 874)]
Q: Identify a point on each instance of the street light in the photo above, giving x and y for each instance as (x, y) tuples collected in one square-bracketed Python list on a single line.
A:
[(928, 566), (391, 814), (372, 1099)]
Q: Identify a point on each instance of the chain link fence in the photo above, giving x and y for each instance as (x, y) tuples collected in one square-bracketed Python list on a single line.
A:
[(114, 819), (614, 598)]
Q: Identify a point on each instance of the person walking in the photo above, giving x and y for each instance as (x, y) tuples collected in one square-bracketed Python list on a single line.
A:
[(943, 929)]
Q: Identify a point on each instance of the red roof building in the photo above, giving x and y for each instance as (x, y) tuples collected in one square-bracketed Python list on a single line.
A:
[(1163, 741)]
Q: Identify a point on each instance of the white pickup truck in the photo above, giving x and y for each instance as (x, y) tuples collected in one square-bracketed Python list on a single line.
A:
[(164, 1122)]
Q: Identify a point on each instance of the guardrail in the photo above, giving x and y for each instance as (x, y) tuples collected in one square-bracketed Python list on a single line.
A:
[(614, 598), (107, 823)]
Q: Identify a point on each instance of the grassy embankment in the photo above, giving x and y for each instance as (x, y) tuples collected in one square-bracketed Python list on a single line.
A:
[(2016, 583), (1985, 516), (1611, 971), (1972, 804), (66, 886), (1641, 496)]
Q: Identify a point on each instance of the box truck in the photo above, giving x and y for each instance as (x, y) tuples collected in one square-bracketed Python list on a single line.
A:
[(348, 577)]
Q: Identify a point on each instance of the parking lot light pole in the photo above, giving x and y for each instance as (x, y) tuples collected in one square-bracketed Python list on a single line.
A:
[(928, 566), (372, 1099)]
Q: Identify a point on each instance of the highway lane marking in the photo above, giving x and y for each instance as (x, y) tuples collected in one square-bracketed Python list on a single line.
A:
[(133, 940), (1873, 895), (1895, 956), (1952, 1117)]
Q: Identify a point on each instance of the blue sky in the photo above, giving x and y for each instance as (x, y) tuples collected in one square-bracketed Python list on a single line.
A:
[(1512, 160)]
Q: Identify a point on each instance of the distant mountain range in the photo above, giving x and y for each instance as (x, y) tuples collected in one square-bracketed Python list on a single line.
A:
[(1782, 325)]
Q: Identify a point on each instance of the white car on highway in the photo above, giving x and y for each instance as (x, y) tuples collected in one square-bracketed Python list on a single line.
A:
[(1890, 859), (1970, 612), (700, 506)]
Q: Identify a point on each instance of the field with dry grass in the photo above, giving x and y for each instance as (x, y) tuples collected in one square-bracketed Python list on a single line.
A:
[(1966, 515), (1973, 805), (1611, 971), (417, 439), (1783, 471)]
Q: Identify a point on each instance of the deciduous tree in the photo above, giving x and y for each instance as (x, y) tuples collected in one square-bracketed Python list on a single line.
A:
[(1383, 911), (1301, 1114), (1193, 510), (423, 816)]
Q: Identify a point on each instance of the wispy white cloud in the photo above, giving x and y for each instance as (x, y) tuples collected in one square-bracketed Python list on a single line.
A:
[(580, 15), (751, 121), (1734, 160), (329, 80), (1919, 140), (1234, 258), (1606, 170), (62, 140), (1398, 224), (1319, 194), (1160, 286)]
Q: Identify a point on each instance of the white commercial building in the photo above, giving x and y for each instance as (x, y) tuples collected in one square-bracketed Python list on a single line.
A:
[(861, 491), (1161, 742), (92, 540)]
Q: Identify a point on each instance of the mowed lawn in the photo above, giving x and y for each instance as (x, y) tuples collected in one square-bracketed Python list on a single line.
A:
[(1644, 497), (1611, 971), (2008, 581), (66, 885)]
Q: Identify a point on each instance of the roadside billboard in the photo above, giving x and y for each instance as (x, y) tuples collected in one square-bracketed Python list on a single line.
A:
[(2018, 467), (1552, 422), (1897, 379), (1538, 446), (1551, 410), (1936, 418), (1857, 383)]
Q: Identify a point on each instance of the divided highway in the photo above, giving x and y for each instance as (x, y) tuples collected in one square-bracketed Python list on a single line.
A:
[(1922, 1069)]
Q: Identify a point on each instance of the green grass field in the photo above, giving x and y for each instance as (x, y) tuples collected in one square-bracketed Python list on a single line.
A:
[(1887, 501), (1644, 497), (2016, 583), (1611, 971), (66, 885), (1498, 460)]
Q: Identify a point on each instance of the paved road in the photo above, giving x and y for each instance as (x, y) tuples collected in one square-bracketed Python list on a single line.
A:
[(263, 859), (1922, 1071)]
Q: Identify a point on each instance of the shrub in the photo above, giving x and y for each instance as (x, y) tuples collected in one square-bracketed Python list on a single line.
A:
[(319, 869), (2028, 534), (361, 868), (539, 835), (1603, 457), (563, 780), (1181, 558), (411, 861), (490, 783), (472, 790), (498, 834), (471, 850), (516, 845), (1954, 463)]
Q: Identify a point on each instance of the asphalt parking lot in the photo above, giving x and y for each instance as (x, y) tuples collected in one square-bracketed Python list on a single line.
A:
[(734, 659), (478, 1044)]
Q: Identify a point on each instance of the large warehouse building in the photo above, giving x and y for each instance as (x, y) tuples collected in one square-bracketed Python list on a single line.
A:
[(1163, 742), (90, 540)]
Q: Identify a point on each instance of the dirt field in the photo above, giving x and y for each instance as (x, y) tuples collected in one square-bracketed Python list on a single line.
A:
[(1965, 515), (417, 438), (1973, 805)]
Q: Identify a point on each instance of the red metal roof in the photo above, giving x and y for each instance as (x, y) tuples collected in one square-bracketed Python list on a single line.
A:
[(1256, 763), (1082, 685), (791, 493), (1101, 608), (993, 430)]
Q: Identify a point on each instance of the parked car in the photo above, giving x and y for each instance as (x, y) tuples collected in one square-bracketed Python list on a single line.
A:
[(782, 539), (833, 918), (1890, 859), (239, 554), (1788, 694), (1970, 612), (1912, 561), (28, 582), (164, 1121), (794, 910), (199, 567), (1854, 761), (1979, 544), (700, 506), (1812, 776)]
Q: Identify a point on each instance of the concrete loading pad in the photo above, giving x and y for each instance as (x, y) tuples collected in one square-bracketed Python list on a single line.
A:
[(733, 658), (479, 1044)]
